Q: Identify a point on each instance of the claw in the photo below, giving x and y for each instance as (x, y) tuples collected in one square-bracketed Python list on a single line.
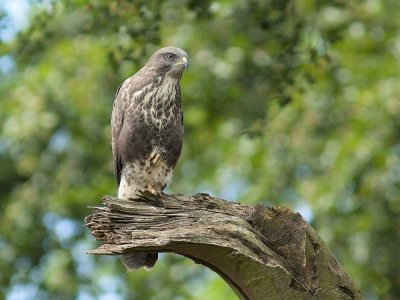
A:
[(151, 198), (155, 158), (153, 191)]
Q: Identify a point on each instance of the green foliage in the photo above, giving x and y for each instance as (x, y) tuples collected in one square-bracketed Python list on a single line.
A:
[(286, 102)]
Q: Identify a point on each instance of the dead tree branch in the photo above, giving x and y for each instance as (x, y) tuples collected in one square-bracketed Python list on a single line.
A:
[(261, 252)]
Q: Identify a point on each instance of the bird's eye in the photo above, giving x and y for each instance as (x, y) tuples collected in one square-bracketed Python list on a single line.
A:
[(170, 56)]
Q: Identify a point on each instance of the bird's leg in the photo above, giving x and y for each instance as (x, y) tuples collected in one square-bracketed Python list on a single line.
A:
[(155, 158)]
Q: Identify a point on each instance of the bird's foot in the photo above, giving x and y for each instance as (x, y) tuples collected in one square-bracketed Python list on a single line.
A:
[(152, 196), (155, 158), (153, 191)]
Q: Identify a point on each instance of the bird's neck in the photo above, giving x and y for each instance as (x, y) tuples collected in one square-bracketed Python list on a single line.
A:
[(168, 91)]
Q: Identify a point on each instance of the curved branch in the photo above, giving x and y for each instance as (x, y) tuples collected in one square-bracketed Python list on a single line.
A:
[(261, 252)]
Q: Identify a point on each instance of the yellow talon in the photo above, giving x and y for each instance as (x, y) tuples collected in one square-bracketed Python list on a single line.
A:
[(155, 158), (152, 190)]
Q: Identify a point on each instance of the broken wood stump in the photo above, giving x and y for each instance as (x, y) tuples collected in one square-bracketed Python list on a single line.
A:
[(261, 252)]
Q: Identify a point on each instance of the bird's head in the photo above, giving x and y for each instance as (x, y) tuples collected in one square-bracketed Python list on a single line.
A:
[(171, 61)]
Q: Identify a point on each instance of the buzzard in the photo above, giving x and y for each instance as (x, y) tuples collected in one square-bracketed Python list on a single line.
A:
[(147, 131)]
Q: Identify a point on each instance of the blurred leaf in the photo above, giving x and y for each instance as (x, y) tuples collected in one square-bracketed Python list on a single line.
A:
[(286, 102)]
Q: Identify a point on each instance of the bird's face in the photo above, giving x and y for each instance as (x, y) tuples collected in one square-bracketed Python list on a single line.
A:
[(170, 61)]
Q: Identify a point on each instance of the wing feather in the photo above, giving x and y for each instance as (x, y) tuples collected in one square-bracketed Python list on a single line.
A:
[(127, 92), (117, 121)]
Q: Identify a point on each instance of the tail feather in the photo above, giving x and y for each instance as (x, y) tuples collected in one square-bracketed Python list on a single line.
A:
[(150, 261), (134, 261)]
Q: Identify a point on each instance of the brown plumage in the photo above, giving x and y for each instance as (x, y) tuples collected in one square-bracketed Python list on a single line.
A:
[(147, 131)]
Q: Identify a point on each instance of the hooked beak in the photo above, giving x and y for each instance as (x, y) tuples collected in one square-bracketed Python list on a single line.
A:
[(183, 62)]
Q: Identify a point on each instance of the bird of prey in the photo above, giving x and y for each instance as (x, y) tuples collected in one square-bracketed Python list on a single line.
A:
[(147, 132)]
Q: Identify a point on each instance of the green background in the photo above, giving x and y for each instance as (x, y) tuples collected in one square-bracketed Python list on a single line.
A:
[(290, 103)]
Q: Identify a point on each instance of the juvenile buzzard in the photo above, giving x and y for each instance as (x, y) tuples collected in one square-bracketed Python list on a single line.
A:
[(147, 131)]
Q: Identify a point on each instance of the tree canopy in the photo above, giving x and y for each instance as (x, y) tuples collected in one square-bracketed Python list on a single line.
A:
[(290, 103)]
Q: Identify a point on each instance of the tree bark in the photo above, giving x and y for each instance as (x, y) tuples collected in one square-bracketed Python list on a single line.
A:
[(261, 252)]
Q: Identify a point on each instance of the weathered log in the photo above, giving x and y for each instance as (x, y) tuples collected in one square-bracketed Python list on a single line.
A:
[(261, 252)]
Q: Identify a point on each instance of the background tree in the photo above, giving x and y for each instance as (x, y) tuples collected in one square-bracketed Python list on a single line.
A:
[(286, 102)]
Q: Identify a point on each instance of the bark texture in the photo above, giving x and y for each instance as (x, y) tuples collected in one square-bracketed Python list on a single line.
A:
[(261, 252)]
